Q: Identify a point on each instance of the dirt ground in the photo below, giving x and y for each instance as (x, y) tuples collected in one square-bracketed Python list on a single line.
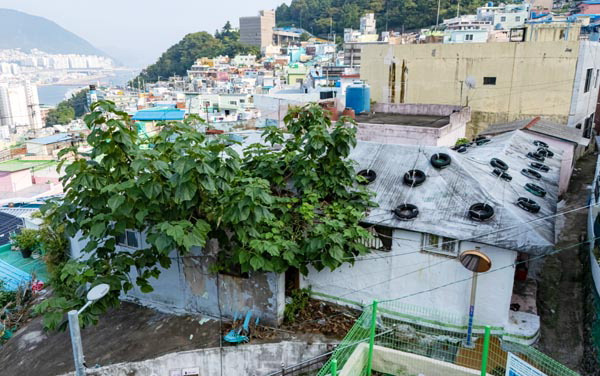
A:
[(133, 333), (561, 291)]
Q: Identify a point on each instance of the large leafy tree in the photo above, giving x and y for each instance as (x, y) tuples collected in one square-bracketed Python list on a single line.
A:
[(293, 202)]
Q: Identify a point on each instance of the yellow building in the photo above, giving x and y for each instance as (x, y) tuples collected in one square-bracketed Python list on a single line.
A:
[(500, 81)]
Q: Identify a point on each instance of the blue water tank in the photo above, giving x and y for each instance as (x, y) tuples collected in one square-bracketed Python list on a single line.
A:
[(358, 97)]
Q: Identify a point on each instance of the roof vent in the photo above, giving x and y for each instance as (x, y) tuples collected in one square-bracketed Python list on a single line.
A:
[(531, 173), (539, 166), (540, 143), (440, 160), (535, 189), (528, 205), (367, 175), (414, 178), (406, 212), (536, 156), (503, 175), (481, 212), (499, 163)]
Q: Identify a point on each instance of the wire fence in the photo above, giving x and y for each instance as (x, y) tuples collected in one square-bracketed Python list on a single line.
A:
[(388, 340)]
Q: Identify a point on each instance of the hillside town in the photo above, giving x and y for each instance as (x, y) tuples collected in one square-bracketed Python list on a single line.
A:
[(382, 202)]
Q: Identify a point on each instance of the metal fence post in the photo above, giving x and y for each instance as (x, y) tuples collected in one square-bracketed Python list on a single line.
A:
[(76, 343), (486, 350), (333, 367), (372, 337)]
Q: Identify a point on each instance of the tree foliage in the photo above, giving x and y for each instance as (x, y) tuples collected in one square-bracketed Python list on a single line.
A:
[(181, 56), (291, 203), (69, 109), (317, 15)]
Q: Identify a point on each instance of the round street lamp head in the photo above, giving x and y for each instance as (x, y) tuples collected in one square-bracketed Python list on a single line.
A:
[(475, 261), (97, 292)]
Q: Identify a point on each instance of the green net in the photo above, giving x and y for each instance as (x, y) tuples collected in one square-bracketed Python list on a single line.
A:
[(409, 340)]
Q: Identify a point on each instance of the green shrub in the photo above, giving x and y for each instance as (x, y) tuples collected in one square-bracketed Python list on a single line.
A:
[(27, 239), (299, 303)]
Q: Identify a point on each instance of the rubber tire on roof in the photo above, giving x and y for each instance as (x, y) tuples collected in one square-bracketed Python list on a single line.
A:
[(544, 152), (462, 149), (414, 178), (481, 212), (503, 175), (482, 141), (536, 156), (440, 160), (406, 212), (531, 173), (540, 143), (369, 175), (528, 204), (535, 189), (499, 163), (539, 166)]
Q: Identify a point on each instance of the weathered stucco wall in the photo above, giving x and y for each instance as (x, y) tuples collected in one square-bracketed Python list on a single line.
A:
[(407, 270), (532, 78), (252, 360)]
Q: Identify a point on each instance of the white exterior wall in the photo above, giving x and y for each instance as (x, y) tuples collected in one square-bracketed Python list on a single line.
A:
[(584, 104), (382, 278), (276, 106), (459, 36), (512, 19)]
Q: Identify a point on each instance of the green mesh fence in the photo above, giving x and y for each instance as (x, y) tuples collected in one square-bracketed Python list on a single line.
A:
[(595, 330), (408, 340)]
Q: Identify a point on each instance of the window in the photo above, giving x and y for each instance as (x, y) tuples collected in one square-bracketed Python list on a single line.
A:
[(503, 18), (518, 18), (597, 74), (489, 80), (128, 239), (233, 102), (587, 128), (439, 244), (469, 37), (381, 240), (588, 80)]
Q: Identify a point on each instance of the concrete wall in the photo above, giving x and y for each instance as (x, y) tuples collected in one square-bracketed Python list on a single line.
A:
[(276, 105), (15, 181), (255, 360), (532, 78), (190, 286), (417, 135), (406, 270), (583, 104)]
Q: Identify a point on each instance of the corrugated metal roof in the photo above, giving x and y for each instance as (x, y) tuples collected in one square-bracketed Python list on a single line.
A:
[(159, 114), (444, 198), (542, 126), (13, 277), (59, 137)]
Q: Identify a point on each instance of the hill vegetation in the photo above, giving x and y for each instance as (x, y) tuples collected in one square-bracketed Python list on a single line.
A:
[(316, 16), (181, 56), (24, 31), (69, 109)]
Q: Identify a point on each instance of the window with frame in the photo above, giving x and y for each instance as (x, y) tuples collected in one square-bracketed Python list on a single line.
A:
[(517, 18), (439, 244), (489, 80), (381, 240), (129, 239), (468, 36), (588, 80), (597, 74), (503, 19)]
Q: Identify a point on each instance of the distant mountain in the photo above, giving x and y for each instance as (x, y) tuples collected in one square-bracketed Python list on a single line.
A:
[(24, 31)]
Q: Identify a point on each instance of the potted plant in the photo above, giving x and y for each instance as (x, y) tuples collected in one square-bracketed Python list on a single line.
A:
[(26, 241)]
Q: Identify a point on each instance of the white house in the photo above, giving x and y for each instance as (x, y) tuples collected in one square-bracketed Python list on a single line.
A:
[(416, 260)]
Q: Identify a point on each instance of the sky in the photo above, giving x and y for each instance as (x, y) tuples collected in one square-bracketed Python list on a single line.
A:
[(136, 32)]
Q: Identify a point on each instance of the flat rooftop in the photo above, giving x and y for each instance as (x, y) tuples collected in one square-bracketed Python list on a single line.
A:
[(426, 121)]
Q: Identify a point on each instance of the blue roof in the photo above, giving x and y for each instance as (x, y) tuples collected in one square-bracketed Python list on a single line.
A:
[(159, 114), (59, 137), (591, 2)]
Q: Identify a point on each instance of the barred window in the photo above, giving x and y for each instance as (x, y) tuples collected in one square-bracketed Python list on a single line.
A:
[(440, 244), (381, 239)]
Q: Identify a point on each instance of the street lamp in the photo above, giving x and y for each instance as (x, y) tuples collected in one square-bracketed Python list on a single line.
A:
[(477, 262), (96, 293)]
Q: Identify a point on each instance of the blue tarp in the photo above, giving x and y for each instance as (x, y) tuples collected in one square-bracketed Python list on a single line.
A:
[(12, 277), (159, 114)]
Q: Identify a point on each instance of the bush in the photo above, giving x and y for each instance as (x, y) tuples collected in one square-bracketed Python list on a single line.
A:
[(27, 239), (300, 298)]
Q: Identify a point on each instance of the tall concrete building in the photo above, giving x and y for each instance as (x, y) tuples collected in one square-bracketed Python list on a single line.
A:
[(258, 30), (19, 107)]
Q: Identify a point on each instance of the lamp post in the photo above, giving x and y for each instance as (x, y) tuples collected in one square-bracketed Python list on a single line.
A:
[(477, 262), (96, 293)]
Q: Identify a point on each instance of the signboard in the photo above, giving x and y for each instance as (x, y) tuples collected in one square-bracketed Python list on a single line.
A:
[(516, 366)]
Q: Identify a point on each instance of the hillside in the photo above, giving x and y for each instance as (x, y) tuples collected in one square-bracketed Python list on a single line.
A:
[(316, 15), (24, 31), (181, 56)]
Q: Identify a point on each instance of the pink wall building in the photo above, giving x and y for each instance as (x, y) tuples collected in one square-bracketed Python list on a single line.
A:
[(14, 181)]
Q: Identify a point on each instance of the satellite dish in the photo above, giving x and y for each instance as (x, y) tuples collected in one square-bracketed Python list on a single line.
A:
[(97, 292), (470, 82), (475, 261)]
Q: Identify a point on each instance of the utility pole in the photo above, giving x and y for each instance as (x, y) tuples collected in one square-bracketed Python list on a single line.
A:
[(458, 9), (437, 21)]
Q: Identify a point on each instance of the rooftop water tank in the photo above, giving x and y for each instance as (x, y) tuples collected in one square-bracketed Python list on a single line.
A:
[(358, 97)]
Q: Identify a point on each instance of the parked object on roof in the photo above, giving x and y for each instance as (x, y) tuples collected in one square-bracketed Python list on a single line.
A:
[(358, 97)]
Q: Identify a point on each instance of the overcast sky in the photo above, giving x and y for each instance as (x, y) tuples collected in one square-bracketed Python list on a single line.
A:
[(138, 31)]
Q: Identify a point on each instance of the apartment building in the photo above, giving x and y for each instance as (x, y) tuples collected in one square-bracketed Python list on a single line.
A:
[(258, 30)]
